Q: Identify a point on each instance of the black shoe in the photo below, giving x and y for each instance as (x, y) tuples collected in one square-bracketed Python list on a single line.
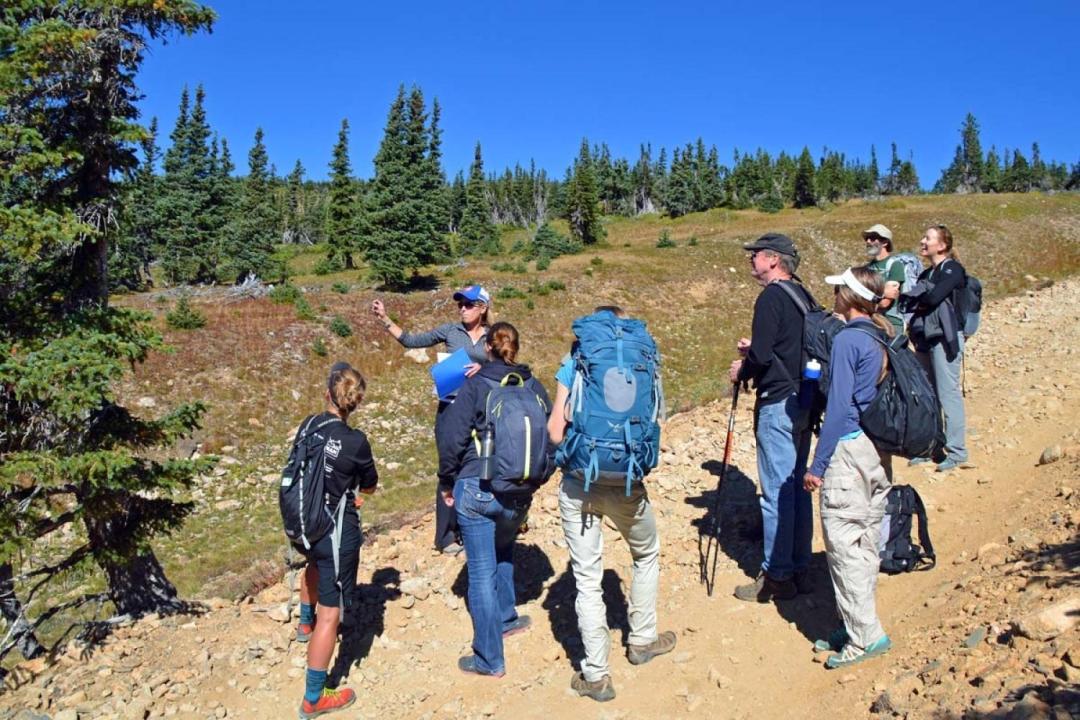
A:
[(765, 589), (599, 690), (804, 584)]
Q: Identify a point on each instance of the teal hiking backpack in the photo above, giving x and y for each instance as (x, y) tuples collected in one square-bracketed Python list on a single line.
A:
[(616, 403)]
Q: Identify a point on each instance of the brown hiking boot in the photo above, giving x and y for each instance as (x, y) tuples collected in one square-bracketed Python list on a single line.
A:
[(641, 654), (599, 690), (765, 589)]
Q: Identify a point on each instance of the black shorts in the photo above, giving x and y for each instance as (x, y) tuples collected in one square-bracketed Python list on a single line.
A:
[(321, 555)]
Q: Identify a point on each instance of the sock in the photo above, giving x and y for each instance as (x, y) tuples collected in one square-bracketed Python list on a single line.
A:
[(307, 614), (316, 681)]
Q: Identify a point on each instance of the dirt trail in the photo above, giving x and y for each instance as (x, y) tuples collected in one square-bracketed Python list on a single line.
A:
[(1005, 531)]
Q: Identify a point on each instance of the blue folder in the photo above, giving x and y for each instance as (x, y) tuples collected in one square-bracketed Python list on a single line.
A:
[(449, 375)]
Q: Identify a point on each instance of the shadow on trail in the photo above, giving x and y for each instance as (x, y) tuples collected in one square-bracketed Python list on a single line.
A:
[(738, 534), (531, 569), (364, 621), (559, 603)]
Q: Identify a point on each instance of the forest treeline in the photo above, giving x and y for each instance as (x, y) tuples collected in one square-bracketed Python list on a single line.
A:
[(189, 210)]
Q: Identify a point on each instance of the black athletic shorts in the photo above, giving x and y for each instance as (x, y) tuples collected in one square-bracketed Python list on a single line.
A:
[(321, 555)]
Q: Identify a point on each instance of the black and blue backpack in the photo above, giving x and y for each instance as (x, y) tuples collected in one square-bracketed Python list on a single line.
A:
[(517, 417), (616, 402)]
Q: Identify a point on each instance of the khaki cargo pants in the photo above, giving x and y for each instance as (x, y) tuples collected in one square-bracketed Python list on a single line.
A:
[(854, 492)]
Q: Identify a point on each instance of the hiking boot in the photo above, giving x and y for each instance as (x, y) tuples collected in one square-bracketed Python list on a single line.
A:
[(452, 549), (519, 625), (804, 584), (641, 654), (599, 690), (765, 589), (851, 654), (917, 461), (836, 641), (949, 464), (467, 664), (330, 701), (304, 631)]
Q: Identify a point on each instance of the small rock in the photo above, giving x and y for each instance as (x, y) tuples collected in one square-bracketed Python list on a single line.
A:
[(1050, 454), (1050, 622), (682, 657), (417, 587), (280, 613), (418, 356), (975, 637), (146, 402)]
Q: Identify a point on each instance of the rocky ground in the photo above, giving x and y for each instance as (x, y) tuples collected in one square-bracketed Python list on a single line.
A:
[(990, 632)]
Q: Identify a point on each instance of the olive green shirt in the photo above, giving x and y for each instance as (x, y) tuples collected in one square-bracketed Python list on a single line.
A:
[(892, 274)]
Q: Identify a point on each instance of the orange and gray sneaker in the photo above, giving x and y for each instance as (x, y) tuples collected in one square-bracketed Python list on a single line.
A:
[(331, 701), (303, 632)]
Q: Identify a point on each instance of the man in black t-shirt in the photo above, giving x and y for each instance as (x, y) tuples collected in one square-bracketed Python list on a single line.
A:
[(772, 359)]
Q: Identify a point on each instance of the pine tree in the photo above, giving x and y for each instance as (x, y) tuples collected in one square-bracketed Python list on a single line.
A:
[(402, 236), (804, 181), (458, 196), (341, 228), (298, 226), (1018, 175), (907, 180), (78, 456), (643, 182), (248, 247), (680, 188), (131, 254), (583, 202), (992, 172), (478, 232), (965, 173), (434, 183)]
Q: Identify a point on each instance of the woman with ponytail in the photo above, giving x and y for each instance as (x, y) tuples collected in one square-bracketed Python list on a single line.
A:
[(328, 583), (848, 470), (490, 511)]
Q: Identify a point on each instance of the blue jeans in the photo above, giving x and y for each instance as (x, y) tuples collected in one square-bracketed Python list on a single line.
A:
[(488, 530), (783, 445)]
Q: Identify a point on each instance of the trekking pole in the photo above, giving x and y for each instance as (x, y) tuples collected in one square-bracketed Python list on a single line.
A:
[(714, 531)]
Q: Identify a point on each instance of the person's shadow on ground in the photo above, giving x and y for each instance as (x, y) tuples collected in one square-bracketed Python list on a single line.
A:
[(737, 532), (559, 603), (531, 569), (364, 621)]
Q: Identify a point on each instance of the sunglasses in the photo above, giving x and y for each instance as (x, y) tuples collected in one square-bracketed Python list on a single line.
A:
[(468, 304)]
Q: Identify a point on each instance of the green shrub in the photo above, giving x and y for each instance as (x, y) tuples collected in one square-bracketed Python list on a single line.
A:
[(596, 261), (529, 304), (502, 267), (543, 263), (772, 203), (450, 272), (340, 327), (319, 347), (285, 294), (665, 240), (340, 287), (555, 285), (303, 309), (693, 241), (325, 266), (510, 293), (552, 244), (521, 268), (588, 271), (185, 317)]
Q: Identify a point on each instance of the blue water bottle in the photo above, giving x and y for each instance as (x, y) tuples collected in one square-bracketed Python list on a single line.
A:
[(810, 377)]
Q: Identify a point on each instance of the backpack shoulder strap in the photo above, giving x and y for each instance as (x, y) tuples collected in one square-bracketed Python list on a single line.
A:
[(796, 297), (929, 557)]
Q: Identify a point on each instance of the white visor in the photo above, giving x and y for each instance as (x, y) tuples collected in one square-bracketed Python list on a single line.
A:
[(848, 278)]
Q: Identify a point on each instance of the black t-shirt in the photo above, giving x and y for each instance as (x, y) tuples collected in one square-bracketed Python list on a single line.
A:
[(349, 462), (776, 339)]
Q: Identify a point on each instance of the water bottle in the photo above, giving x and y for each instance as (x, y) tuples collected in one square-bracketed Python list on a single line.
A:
[(810, 376), (487, 448)]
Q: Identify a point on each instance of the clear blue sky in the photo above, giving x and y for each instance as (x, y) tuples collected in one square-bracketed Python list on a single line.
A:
[(530, 79)]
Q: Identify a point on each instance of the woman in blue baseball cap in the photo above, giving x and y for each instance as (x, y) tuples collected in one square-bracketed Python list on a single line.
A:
[(470, 334)]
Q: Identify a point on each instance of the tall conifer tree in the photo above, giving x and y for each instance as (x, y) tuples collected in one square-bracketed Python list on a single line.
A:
[(341, 225), (583, 201), (478, 232)]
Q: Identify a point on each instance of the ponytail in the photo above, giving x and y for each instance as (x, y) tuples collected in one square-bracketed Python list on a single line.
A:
[(502, 338)]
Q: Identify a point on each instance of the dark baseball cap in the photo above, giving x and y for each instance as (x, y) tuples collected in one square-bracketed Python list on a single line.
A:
[(776, 242)]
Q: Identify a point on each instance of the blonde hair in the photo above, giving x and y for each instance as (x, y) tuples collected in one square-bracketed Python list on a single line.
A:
[(347, 389), (873, 282), (503, 339)]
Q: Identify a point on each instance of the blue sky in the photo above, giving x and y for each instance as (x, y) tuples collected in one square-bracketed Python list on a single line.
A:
[(529, 80)]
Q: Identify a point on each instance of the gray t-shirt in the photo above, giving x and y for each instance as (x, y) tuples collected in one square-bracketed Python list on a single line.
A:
[(454, 335)]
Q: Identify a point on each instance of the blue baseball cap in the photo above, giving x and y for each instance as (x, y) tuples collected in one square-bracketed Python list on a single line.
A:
[(473, 293)]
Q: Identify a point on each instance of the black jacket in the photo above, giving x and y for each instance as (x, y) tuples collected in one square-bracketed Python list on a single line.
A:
[(776, 344), (934, 295), (350, 465), (457, 449)]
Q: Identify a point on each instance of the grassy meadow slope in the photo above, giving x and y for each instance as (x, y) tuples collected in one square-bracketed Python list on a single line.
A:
[(253, 361)]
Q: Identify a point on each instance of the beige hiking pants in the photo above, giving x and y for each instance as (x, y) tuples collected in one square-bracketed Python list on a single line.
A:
[(853, 497), (582, 519)]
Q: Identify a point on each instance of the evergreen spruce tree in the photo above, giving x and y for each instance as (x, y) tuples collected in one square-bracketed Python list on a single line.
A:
[(804, 181), (1040, 176), (907, 179), (874, 173), (680, 188), (478, 233), (248, 245), (131, 254), (992, 172), (341, 226), (1018, 175), (583, 202), (434, 182), (79, 457), (298, 226), (784, 174), (457, 197), (643, 182), (402, 237), (965, 173)]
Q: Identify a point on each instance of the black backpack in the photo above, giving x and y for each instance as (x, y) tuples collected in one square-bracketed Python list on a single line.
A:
[(819, 328), (302, 496), (897, 552), (517, 417), (904, 418)]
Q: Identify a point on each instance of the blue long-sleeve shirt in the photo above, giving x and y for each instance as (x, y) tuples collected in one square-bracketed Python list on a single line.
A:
[(854, 367)]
